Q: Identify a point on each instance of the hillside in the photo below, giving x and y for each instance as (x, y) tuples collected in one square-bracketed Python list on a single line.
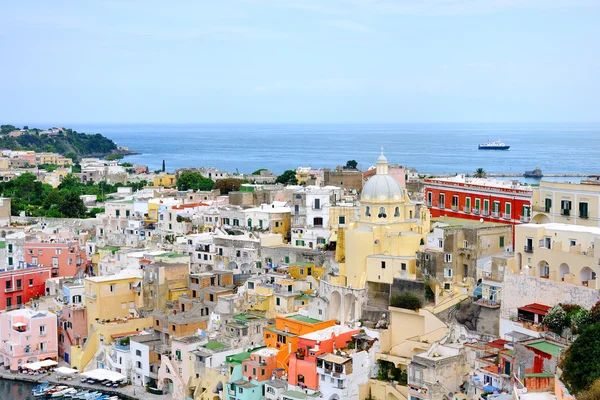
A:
[(62, 140)]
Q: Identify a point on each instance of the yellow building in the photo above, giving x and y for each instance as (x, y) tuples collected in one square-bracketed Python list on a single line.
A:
[(382, 243), (302, 270), (558, 252), (164, 179), (302, 174), (110, 304), (566, 203)]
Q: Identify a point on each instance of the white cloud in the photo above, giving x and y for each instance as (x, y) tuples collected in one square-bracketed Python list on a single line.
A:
[(349, 25)]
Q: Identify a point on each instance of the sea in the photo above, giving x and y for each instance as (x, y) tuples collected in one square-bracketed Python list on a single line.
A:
[(430, 148), (16, 390)]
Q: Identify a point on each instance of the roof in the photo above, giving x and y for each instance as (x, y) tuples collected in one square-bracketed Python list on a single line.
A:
[(237, 358), (247, 317), (302, 318), (124, 274), (214, 345), (536, 308), (334, 358), (244, 383), (555, 226), (326, 333), (547, 347), (454, 223)]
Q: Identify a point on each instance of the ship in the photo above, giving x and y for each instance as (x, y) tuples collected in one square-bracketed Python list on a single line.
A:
[(536, 173), (497, 145)]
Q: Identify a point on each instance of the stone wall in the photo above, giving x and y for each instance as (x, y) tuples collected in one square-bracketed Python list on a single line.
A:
[(520, 290)]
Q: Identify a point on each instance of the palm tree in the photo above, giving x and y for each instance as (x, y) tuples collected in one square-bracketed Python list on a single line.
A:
[(480, 173)]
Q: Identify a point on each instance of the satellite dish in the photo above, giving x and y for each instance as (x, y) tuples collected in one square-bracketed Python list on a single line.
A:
[(481, 220)]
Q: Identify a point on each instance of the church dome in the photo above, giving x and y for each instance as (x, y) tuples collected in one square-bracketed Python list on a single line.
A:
[(382, 186)]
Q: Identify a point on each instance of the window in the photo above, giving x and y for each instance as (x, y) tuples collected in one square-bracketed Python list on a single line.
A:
[(465, 244), (10, 261), (138, 353), (30, 282), (34, 260), (10, 248), (113, 287), (317, 204), (572, 243), (501, 241), (583, 210), (58, 251), (42, 330), (278, 301), (565, 207), (383, 265), (19, 300), (447, 257), (447, 272), (403, 266), (455, 202), (382, 213), (507, 210), (367, 211), (477, 204), (8, 302), (429, 196), (486, 206), (341, 219), (442, 200), (468, 204), (397, 212), (19, 283), (547, 205)]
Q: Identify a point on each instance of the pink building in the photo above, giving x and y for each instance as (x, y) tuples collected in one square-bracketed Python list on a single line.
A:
[(27, 336), (72, 321), (29, 157), (260, 365), (303, 363), (64, 257)]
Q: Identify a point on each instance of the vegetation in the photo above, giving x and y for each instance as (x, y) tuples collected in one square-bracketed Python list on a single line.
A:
[(556, 319), (406, 300), (258, 171), (480, 173), (39, 199), (69, 143), (112, 157), (194, 181), (287, 178), (228, 185), (351, 164), (388, 372), (48, 167), (581, 362)]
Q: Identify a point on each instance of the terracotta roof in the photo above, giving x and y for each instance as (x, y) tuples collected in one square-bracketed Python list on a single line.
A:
[(124, 334), (536, 308), (189, 205), (498, 343)]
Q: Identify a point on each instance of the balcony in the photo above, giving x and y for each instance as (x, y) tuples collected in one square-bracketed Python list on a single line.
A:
[(475, 211), (428, 203), (584, 216), (525, 218), (454, 207), (506, 215), (13, 289), (565, 212), (496, 214), (13, 307), (90, 295), (485, 213), (528, 249), (441, 206), (467, 210)]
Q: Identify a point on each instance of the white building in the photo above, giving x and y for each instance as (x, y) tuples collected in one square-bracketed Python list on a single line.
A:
[(341, 375), (143, 370), (310, 215)]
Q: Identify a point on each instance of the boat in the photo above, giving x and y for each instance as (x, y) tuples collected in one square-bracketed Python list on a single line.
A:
[(536, 173), (41, 390), (81, 394), (69, 393), (103, 397), (497, 145), (59, 391)]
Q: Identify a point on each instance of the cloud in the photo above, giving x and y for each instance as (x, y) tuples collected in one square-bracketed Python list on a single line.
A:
[(349, 25)]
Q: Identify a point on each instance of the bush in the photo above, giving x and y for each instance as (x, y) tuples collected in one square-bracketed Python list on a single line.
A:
[(581, 362), (556, 319), (580, 319), (406, 300)]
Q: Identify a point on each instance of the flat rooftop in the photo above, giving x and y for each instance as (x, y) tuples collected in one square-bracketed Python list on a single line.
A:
[(464, 223)]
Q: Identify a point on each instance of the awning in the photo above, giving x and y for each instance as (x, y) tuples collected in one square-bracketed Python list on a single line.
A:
[(333, 237), (40, 364), (103, 375), (66, 371), (491, 389), (19, 324)]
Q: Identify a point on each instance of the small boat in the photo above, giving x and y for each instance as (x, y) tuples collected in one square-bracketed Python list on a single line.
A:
[(497, 145), (42, 390), (59, 392), (89, 395), (94, 396), (69, 393), (103, 397), (80, 395)]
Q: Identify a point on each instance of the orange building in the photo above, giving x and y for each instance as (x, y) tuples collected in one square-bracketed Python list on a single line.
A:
[(65, 258), (284, 335), (303, 363), (260, 365)]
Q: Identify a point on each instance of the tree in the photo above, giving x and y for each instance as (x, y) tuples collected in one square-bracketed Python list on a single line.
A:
[(581, 362), (163, 166), (112, 157), (73, 156), (406, 300), (258, 171), (351, 164), (71, 206), (556, 319), (287, 178), (194, 181), (593, 393), (228, 185), (580, 319), (480, 173)]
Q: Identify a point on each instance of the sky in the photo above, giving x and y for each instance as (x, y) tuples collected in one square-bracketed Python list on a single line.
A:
[(299, 61)]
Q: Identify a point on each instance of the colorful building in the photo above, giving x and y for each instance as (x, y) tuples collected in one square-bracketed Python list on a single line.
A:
[(479, 198), (567, 203), (167, 180), (19, 283), (65, 258), (283, 336), (27, 336)]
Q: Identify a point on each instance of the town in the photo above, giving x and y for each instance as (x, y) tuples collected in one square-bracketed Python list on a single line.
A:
[(337, 283)]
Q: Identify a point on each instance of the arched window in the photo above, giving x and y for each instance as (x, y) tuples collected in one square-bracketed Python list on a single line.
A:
[(397, 212), (382, 213), (368, 211)]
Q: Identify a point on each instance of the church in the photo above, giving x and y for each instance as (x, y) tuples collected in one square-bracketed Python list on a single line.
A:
[(377, 250)]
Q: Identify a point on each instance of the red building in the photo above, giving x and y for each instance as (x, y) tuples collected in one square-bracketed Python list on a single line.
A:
[(478, 198), (18, 284), (64, 257)]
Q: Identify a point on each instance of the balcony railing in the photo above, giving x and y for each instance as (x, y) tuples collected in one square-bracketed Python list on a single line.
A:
[(454, 208), (565, 212), (485, 213), (525, 218), (13, 289), (428, 203), (584, 216), (467, 210), (496, 214), (506, 215), (528, 249), (90, 295), (475, 211)]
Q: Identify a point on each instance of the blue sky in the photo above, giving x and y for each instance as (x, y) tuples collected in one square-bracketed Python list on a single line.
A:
[(300, 61)]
